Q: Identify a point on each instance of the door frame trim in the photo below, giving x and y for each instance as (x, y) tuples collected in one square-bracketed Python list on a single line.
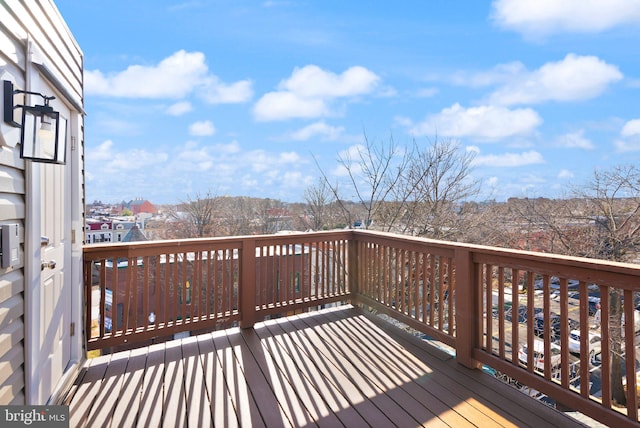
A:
[(32, 251)]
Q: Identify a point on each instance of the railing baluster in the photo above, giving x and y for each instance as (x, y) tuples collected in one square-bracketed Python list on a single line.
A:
[(584, 342), (606, 347), (488, 284), (145, 293), (501, 310)]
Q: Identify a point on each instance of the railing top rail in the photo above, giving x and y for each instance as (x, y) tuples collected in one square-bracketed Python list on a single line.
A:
[(234, 241), (482, 253), (553, 263)]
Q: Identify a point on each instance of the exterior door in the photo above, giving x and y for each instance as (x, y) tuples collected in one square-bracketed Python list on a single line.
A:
[(50, 203)]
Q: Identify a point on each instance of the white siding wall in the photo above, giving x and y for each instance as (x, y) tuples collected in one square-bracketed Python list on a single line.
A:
[(22, 22)]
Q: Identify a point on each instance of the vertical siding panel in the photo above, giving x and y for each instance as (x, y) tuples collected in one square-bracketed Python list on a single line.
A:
[(55, 46)]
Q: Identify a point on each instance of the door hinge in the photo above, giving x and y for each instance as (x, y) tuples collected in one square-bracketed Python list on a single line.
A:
[(72, 329)]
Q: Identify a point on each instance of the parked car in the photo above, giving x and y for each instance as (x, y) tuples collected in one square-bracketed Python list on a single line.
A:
[(593, 300), (495, 310), (636, 319), (554, 284), (522, 313), (594, 305), (539, 322), (594, 344), (538, 355)]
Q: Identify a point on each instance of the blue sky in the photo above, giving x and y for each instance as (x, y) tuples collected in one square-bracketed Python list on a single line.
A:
[(239, 97)]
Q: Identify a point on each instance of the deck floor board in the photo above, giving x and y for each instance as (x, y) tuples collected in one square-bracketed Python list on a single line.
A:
[(332, 368)]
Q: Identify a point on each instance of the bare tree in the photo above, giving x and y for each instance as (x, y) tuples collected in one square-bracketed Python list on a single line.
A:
[(601, 220), (272, 215), (372, 172), (318, 198), (420, 191), (438, 185), (236, 215), (195, 216), (612, 203), (551, 226)]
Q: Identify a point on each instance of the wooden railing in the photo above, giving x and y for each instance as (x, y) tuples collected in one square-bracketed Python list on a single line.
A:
[(139, 292), (493, 306)]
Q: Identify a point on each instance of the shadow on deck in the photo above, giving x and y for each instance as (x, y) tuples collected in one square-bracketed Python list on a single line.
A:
[(336, 367)]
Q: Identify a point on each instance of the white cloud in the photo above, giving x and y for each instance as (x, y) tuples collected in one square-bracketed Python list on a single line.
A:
[(317, 129), (231, 148), (289, 157), (203, 128), (176, 76), (473, 149), (499, 74), (131, 160), (291, 178), (573, 78), (194, 158), (542, 17), (575, 140), (509, 159), (631, 128), (426, 92), (173, 77), (350, 154), (565, 173), (310, 90), (312, 81), (623, 146), (216, 92), (630, 134), (269, 163), (287, 105), (492, 181), (100, 153), (179, 108), (482, 123)]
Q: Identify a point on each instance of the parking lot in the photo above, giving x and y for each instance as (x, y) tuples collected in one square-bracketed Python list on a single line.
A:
[(538, 326)]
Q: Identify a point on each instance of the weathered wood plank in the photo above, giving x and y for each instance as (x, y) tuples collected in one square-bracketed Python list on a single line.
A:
[(307, 375), (337, 367), (174, 408), (337, 378), (272, 413), (107, 397), (151, 396), (85, 394), (370, 378), (488, 393), (300, 409), (410, 378), (243, 400), (221, 403), (131, 389), (198, 403)]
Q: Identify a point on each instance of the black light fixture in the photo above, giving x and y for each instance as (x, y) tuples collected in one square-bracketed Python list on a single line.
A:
[(40, 125)]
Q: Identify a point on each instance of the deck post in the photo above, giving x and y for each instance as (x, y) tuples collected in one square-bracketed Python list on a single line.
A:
[(467, 311), (247, 284), (353, 268)]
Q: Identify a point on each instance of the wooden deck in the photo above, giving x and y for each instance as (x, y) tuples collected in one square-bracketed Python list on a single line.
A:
[(337, 367)]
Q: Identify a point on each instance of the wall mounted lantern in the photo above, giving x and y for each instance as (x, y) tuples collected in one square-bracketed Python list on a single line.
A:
[(40, 124)]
